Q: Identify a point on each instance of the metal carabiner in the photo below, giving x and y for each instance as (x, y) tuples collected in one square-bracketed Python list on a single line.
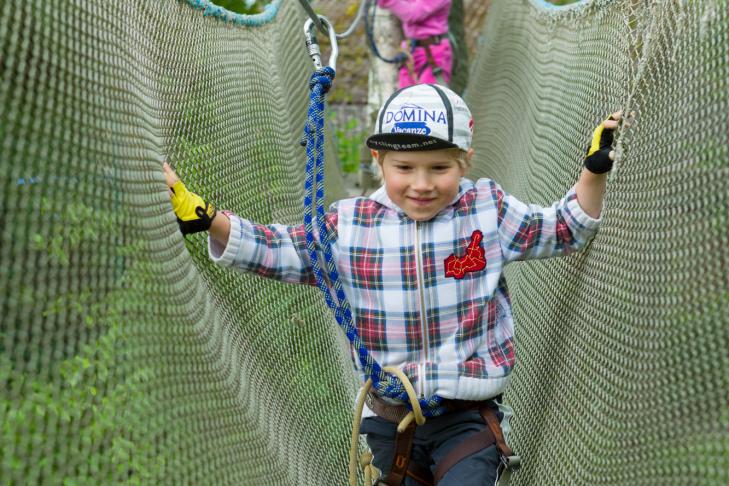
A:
[(312, 44)]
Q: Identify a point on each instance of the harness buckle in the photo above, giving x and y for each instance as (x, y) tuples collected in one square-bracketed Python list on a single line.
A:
[(511, 462), (312, 44)]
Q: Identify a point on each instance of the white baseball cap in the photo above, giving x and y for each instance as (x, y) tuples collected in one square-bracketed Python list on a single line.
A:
[(423, 117)]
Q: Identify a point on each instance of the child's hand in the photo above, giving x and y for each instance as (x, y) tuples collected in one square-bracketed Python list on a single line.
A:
[(600, 155), (194, 214), (170, 178)]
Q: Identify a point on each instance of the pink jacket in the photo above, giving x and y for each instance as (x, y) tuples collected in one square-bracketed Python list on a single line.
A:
[(420, 18)]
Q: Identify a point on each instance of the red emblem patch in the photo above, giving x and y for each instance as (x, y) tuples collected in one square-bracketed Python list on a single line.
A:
[(473, 261)]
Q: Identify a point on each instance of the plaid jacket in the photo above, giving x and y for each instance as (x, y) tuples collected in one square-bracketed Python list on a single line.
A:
[(429, 297)]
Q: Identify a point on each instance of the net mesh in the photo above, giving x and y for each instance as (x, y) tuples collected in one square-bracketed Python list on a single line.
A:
[(622, 370), (126, 356)]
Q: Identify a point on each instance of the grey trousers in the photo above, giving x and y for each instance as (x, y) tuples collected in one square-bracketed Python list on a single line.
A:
[(433, 441)]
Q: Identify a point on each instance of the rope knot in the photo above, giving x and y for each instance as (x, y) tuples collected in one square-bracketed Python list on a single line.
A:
[(322, 77)]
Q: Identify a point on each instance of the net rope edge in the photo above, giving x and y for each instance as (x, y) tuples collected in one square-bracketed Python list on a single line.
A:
[(545, 6), (210, 9)]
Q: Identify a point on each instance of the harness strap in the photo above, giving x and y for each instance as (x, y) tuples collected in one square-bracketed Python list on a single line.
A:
[(473, 444), (409, 62), (410, 65), (391, 413), (429, 41), (421, 474), (426, 43), (437, 70), (489, 416), (401, 465), (403, 447)]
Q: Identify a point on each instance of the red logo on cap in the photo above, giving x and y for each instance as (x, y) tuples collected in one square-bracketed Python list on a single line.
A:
[(470, 124)]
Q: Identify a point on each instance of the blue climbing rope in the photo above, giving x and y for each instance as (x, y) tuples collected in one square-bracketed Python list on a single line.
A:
[(385, 383)]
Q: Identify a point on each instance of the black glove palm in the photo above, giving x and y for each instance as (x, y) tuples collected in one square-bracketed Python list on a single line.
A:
[(193, 213), (598, 159)]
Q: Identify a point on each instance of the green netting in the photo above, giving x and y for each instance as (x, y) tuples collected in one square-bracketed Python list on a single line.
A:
[(622, 370), (127, 357)]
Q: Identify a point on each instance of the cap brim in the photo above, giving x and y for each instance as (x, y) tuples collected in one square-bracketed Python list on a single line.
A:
[(406, 142)]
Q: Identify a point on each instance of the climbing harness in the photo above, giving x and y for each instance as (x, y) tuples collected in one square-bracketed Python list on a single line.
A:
[(425, 44), (405, 429), (401, 465), (405, 58)]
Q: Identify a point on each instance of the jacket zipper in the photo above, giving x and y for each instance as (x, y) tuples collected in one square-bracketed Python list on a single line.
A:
[(423, 317)]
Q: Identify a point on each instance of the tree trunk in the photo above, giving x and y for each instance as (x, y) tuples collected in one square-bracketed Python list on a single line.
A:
[(383, 80), (387, 34), (457, 27)]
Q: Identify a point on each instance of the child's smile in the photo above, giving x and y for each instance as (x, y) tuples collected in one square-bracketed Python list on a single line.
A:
[(422, 183)]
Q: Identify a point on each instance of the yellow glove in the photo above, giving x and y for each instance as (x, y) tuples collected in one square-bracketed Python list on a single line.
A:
[(194, 214), (598, 159)]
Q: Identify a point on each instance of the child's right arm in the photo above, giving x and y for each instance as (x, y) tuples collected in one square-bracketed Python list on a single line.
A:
[(186, 204), (274, 251), (220, 229)]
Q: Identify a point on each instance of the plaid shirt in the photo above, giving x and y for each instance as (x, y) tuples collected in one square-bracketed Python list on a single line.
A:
[(429, 297)]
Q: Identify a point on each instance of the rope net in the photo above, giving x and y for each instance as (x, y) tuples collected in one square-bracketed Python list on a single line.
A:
[(126, 356), (622, 372)]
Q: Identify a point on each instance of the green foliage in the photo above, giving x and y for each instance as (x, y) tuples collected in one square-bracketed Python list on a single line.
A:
[(70, 228), (247, 7), (93, 396), (192, 156), (349, 140)]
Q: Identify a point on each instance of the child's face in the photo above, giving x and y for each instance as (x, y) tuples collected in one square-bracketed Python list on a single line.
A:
[(421, 183)]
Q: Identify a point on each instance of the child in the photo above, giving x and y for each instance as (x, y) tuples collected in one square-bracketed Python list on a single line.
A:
[(421, 262), (425, 25)]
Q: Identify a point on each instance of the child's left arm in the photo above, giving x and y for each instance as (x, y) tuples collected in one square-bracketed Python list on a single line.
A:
[(274, 251), (590, 187), (529, 231)]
